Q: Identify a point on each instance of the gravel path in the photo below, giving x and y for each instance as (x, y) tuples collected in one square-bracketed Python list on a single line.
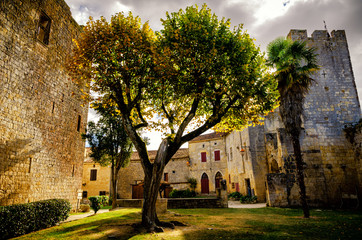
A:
[(237, 204)]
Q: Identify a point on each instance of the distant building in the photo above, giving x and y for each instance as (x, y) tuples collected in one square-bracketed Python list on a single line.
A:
[(96, 178)]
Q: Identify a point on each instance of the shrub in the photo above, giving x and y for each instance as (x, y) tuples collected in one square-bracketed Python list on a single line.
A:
[(20, 219), (182, 193), (84, 208), (235, 195), (248, 199), (96, 202), (192, 182)]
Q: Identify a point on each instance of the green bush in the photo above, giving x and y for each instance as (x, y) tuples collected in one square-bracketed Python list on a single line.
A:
[(182, 193), (235, 195), (248, 199), (20, 219), (97, 202)]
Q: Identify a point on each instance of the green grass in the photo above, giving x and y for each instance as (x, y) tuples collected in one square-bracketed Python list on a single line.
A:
[(263, 223)]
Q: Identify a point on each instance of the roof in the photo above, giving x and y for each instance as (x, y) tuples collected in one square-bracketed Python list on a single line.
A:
[(208, 137), (181, 153)]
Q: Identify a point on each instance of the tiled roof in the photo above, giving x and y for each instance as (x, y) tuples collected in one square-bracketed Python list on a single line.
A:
[(181, 153), (210, 136)]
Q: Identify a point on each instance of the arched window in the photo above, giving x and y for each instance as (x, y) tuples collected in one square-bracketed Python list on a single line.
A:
[(218, 178)]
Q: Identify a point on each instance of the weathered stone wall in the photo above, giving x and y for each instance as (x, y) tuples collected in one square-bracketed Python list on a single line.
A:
[(177, 170), (173, 203), (210, 167), (41, 149), (102, 183), (331, 103)]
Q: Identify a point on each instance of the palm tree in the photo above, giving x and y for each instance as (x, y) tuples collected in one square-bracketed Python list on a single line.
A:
[(294, 62)]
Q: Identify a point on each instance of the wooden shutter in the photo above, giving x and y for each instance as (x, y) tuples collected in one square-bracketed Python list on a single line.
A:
[(203, 157), (217, 155)]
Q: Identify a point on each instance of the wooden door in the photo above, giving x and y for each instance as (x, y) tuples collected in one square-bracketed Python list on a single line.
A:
[(218, 178), (205, 184)]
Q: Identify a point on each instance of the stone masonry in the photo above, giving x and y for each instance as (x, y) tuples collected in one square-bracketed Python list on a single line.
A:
[(332, 103), (41, 117)]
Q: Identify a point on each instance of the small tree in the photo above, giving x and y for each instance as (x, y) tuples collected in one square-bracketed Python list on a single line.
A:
[(193, 183), (196, 73), (109, 143)]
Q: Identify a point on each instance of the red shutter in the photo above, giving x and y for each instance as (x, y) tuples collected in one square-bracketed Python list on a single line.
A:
[(217, 155), (237, 187), (203, 157)]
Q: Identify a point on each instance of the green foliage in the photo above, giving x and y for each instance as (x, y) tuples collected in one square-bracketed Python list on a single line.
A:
[(248, 199), (97, 202), (192, 182), (20, 219), (182, 193), (235, 195)]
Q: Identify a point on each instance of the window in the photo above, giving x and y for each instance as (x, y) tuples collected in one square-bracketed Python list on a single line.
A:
[(231, 154), (165, 177), (93, 174), (79, 121), (102, 193), (85, 194), (44, 28), (203, 157), (217, 155)]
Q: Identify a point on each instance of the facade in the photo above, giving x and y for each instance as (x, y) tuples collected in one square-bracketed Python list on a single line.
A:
[(41, 117), (96, 178), (176, 173), (208, 162)]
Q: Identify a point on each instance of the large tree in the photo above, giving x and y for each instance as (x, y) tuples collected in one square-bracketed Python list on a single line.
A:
[(193, 75), (110, 144), (294, 62)]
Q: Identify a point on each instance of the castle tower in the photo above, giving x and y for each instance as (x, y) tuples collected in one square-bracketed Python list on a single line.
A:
[(332, 102), (41, 117)]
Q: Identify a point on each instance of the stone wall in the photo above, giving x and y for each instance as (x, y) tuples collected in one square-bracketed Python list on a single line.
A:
[(332, 102), (41, 117), (173, 203), (177, 170)]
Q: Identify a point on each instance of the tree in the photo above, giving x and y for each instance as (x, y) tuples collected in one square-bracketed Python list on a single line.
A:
[(294, 63), (193, 75), (109, 144)]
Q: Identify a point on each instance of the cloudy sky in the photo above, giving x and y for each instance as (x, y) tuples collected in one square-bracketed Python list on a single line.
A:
[(264, 20)]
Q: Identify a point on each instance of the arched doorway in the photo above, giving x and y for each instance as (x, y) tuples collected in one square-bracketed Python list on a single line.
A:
[(218, 178), (205, 184)]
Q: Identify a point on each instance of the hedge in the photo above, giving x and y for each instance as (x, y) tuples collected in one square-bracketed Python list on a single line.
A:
[(20, 219), (182, 193)]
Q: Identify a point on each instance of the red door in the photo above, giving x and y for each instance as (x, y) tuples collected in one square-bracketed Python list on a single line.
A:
[(204, 184)]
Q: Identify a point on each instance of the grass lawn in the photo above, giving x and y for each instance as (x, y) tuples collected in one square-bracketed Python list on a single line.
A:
[(262, 223)]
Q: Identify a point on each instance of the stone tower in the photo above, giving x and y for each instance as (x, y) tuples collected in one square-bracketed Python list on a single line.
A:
[(41, 117), (332, 102)]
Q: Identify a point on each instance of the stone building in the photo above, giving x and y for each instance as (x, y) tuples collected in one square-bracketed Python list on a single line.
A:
[(176, 173), (208, 161), (41, 117), (96, 178), (332, 102)]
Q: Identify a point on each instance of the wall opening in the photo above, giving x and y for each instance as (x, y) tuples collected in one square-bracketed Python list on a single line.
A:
[(44, 28), (79, 122)]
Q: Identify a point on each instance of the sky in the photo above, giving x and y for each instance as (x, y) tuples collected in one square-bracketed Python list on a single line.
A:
[(264, 20)]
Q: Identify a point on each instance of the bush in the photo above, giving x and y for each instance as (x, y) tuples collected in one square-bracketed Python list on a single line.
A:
[(20, 219), (98, 201), (84, 208), (248, 199), (182, 193), (235, 195)]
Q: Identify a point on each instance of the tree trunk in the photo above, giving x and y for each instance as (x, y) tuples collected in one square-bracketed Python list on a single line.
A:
[(300, 175), (114, 187), (150, 194)]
